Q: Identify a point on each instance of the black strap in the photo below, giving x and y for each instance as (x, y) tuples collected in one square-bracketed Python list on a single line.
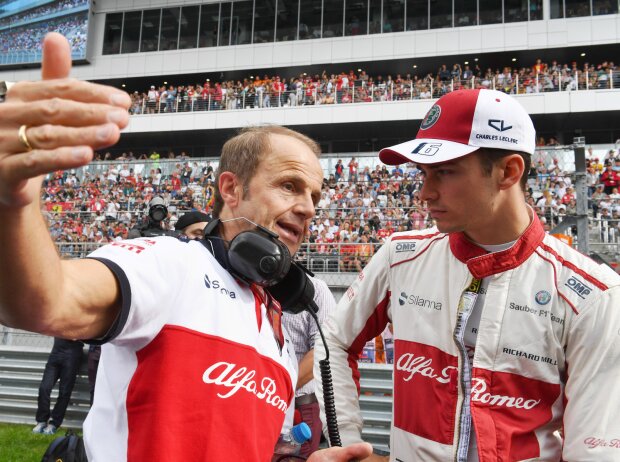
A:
[(52, 447), (72, 447)]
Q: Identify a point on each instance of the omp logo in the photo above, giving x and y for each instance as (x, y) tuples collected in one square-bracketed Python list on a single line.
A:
[(499, 125), (405, 246), (405, 299), (215, 285), (578, 287)]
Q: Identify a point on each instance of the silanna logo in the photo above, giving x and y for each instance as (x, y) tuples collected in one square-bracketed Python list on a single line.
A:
[(578, 287), (215, 285), (405, 247), (405, 299)]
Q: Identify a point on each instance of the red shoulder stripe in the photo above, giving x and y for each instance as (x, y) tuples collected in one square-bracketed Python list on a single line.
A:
[(421, 251), (414, 236), (573, 267), (555, 282)]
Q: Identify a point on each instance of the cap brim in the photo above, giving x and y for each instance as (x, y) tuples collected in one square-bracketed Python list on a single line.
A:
[(424, 151)]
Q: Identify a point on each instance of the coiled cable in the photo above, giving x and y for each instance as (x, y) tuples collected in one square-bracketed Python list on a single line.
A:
[(328, 392)]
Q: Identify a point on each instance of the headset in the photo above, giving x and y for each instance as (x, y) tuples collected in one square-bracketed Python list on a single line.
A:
[(254, 256), (258, 256)]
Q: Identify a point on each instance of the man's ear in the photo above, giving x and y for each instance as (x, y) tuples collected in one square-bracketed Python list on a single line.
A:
[(230, 189), (511, 169)]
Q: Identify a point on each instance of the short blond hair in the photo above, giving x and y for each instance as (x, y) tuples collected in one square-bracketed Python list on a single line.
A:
[(243, 153)]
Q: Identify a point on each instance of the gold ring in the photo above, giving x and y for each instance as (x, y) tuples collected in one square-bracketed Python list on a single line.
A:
[(21, 134)]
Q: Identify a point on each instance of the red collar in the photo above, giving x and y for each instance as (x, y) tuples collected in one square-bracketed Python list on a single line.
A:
[(483, 264)]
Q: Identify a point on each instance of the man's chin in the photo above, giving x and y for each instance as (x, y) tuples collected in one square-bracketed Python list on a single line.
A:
[(293, 249), (445, 227)]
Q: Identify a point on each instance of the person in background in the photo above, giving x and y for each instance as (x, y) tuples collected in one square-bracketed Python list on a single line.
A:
[(62, 364), (192, 224), (303, 331), (94, 354)]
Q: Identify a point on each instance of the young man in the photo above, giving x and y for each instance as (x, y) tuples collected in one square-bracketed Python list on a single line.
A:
[(194, 366), (504, 336)]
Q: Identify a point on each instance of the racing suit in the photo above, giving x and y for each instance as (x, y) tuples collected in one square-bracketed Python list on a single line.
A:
[(546, 360)]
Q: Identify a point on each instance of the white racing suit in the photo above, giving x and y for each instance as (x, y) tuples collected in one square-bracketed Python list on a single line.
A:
[(546, 360)]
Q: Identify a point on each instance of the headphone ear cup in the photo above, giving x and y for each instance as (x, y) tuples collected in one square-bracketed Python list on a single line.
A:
[(259, 258), (295, 292), (211, 227)]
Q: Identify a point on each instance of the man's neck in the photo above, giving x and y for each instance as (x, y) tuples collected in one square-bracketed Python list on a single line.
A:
[(508, 224)]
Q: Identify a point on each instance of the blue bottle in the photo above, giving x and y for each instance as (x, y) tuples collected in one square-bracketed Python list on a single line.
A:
[(290, 443)]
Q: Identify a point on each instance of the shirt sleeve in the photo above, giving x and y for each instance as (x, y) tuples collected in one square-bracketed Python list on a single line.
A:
[(148, 272), (326, 302)]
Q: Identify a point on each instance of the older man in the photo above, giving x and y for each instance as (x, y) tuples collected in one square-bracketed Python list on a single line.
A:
[(194, 364)]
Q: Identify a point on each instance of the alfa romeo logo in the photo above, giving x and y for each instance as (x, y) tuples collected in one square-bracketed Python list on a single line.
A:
[(543, 297), (431, 117)]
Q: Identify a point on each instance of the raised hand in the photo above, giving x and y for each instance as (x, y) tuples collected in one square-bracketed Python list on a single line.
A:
[(54, 124)]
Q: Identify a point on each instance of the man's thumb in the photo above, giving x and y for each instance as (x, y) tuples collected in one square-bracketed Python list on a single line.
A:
[(56, 57)]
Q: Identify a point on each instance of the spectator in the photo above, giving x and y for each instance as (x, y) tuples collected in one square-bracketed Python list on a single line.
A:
[(339, 170), (63, 363), (192, 224), (610, 178), (353, 168)]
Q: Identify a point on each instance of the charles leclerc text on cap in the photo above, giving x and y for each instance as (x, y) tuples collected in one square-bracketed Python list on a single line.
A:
[(463, 121)]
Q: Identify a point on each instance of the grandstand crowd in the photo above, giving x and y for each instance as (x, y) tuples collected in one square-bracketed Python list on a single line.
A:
[(28, 37), (351, 87), (41, 11), (358, 208)]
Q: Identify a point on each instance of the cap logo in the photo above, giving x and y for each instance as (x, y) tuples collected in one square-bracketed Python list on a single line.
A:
[(426, 149), (499, 125), (431, 117)]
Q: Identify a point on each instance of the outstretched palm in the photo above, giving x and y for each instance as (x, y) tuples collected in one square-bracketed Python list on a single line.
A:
[(66, 119)]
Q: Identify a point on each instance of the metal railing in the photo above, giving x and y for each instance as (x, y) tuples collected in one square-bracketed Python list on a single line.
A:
[(362, 92), (338, 257), (21, 370)]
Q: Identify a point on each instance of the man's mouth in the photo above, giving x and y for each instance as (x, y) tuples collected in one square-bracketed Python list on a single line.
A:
[(289, 232)]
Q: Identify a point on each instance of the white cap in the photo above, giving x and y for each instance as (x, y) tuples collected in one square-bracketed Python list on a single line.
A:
[(463, 121)]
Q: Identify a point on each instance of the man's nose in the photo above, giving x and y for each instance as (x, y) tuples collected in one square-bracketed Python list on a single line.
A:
[(428, 191)]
